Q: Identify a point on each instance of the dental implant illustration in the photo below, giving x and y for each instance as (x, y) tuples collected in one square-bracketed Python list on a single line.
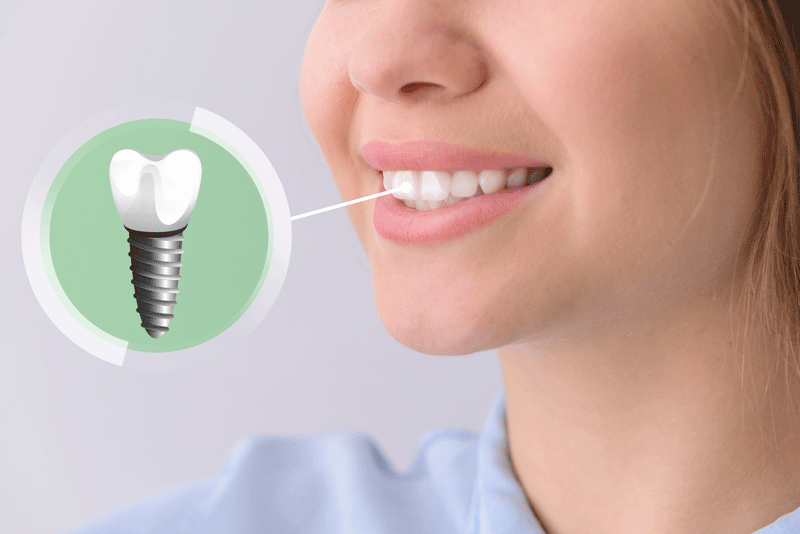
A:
[(155, 196)]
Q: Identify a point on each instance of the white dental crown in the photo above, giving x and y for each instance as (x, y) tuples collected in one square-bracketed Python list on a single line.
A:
[(155, 193)]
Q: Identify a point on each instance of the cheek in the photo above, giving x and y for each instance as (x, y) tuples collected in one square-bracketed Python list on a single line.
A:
[(633, 112), (329, 100), (326, 93), (636, 111)]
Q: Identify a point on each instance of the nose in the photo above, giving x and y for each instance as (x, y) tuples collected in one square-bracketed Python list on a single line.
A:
[(415, 51)]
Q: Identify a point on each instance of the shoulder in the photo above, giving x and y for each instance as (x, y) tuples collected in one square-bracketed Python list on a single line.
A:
[(336, 482)]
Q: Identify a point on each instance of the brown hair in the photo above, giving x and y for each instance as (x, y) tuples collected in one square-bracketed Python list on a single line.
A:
[(771, 289)]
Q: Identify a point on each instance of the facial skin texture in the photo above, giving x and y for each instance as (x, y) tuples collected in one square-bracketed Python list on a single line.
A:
[(607, 295)]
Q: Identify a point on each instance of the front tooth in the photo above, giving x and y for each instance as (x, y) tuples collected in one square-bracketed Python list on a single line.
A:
[(387, 180), (464, 184), (492, 181), (517, 177), (434, 185), (421, 205), (401, 177)]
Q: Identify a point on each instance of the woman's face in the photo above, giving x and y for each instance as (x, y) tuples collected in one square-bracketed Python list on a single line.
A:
[(655, 159)]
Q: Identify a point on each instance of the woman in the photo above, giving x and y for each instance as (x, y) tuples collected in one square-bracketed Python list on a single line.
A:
[(605, 191)]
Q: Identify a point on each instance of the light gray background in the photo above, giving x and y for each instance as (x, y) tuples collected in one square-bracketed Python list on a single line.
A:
[(79, 436)]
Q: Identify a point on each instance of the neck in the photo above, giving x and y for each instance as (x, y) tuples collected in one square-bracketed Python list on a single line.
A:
[(658, 429)]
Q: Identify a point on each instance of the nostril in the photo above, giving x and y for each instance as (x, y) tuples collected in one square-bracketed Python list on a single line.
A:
[(413, 87)]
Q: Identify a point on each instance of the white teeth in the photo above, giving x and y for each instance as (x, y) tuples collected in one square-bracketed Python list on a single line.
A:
[(401, 177), (434, 185), (464, 184), (422, 205), (387, 180), (517, 177), (492, 181), (450, 200), (435, 189)]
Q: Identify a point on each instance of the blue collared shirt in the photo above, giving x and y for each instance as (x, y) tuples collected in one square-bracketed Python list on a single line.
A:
[(342, 483)]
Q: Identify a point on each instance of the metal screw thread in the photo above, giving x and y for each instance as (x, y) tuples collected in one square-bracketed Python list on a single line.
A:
[(156, 265)]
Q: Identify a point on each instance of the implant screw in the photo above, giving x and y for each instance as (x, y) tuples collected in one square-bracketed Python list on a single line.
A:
[(156, 266)]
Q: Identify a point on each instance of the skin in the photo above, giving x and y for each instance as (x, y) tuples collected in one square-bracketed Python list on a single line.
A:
[(607, 297)]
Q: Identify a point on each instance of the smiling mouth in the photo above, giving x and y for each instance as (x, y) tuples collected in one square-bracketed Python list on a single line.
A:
[(435, 189)]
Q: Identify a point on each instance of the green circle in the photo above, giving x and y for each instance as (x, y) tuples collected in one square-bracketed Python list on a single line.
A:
[(226, 246)]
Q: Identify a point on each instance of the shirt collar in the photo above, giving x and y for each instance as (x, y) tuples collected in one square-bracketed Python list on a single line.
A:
[(499, 504)]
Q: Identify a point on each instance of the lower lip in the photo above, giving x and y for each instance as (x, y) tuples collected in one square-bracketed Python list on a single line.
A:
[(397, 222)]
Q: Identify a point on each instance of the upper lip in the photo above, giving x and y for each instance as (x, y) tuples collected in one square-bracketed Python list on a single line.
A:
[(439, 156)]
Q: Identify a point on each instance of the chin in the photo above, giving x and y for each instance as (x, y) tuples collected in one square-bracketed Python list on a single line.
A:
[(435, 332), (432, 340)]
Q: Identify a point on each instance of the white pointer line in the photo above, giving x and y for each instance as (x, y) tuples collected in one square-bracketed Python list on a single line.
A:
[(405, 187)]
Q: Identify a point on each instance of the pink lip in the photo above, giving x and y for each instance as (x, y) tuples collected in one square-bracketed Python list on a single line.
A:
[(437, 156), (395, 221)]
